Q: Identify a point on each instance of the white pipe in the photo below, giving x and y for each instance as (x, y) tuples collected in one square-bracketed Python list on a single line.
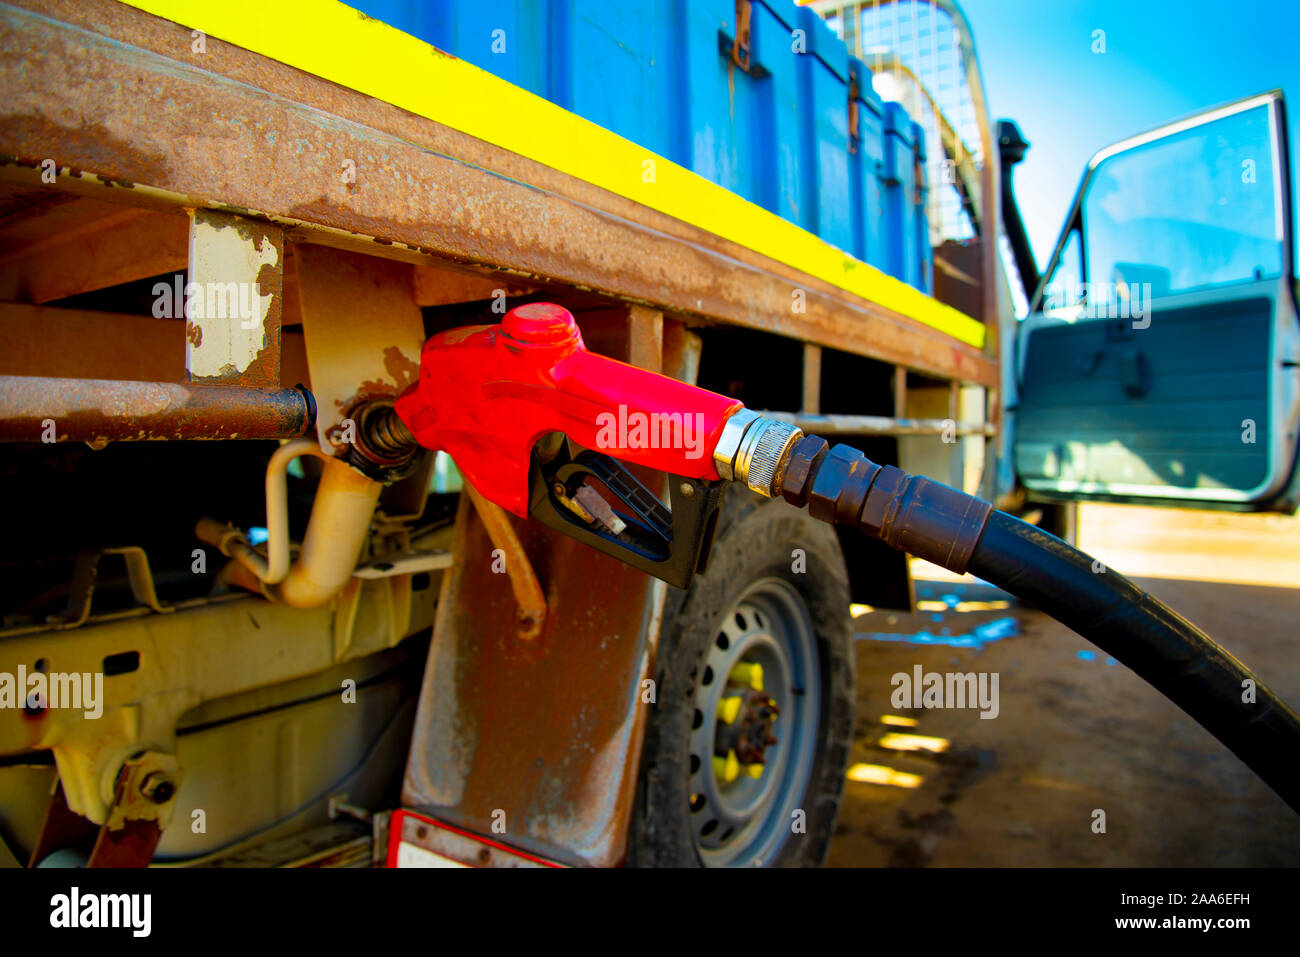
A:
[(340, 518)]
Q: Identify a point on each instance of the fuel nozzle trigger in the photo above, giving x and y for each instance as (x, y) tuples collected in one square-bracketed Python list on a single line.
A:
[(593, 498)]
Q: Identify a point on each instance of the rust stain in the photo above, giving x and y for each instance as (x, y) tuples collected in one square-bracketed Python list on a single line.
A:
[(268, 278), (405, 371), (264, 371), (194, 333)]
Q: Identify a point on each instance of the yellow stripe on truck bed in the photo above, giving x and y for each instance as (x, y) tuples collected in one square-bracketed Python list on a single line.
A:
[(343, 45)]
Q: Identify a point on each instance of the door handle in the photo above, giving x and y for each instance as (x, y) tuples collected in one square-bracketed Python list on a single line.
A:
[(1135, 373)]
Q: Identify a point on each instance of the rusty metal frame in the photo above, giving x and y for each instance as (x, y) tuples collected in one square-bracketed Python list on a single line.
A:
[(408, 200)]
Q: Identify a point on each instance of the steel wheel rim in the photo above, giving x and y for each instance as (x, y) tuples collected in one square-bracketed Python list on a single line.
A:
[(746, 821)]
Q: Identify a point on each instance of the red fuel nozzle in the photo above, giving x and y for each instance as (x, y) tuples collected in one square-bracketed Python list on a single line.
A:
[(486, 394)]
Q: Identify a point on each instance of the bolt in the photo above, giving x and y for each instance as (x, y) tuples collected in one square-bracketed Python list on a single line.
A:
[(687, 490), (801, 468), (158, 787), (840, 485)]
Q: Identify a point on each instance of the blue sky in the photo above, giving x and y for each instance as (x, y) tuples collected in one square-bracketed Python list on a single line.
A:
[(1164, 59)]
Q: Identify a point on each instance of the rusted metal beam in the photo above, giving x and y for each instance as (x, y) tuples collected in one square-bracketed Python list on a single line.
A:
[(645, 338), (812, 378), (88, 245), (83, 344), (900, 391), (40, 409), (421, 189), (78, 343), (435, 286), (682, 349)]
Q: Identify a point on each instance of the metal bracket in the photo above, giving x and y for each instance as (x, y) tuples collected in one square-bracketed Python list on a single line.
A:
[(237, 264), (144, 795), (854, 90), (523, 579), (404, 563), (737, 49), (85, 572), (339, 806)]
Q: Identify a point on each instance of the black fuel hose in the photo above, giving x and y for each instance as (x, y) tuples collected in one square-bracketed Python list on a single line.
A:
[(1177, 658), (965, 533)]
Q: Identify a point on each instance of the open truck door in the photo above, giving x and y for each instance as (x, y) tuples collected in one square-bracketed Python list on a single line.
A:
[(1159, 362)]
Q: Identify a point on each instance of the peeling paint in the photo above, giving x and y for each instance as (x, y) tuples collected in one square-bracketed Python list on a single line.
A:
[(235, 270)]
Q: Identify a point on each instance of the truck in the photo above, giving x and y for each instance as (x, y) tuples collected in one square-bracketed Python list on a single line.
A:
[(245, 623)]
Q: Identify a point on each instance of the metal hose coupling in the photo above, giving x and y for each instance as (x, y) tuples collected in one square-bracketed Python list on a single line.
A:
[(753, 449), (383, 448), (909, 512)]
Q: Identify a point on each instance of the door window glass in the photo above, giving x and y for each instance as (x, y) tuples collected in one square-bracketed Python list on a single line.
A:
[(1193, 209)]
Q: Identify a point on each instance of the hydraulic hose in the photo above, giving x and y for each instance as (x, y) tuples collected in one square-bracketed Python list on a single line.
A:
[(965, 533)]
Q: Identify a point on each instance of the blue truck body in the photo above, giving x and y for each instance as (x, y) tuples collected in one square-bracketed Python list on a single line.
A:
[(656, 73)]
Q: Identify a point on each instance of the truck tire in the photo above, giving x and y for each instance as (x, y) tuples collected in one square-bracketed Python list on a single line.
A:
[(775, 594)]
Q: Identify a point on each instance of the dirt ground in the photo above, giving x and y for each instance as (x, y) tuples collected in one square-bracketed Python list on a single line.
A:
[(1076, 733)]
